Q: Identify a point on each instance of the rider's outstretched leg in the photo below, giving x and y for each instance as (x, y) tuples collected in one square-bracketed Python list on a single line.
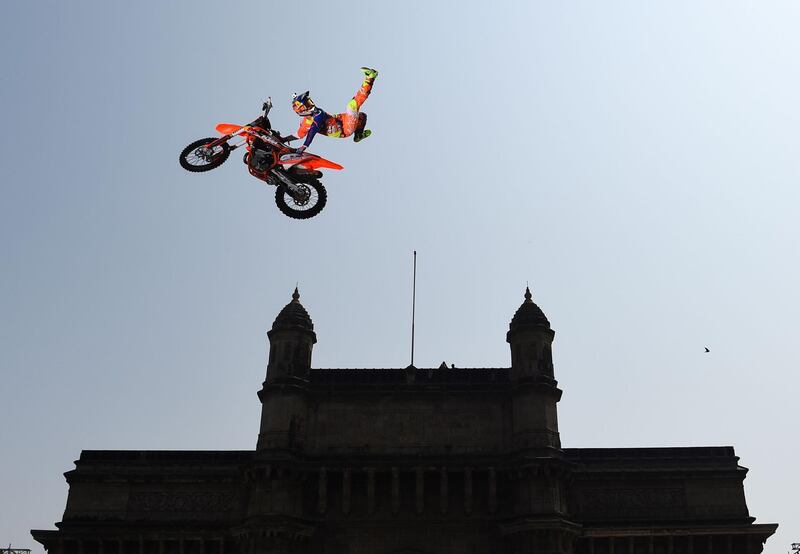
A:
[(352, 120)]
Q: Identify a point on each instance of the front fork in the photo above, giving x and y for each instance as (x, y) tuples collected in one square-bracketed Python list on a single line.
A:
[(219, 141), (222, 140)]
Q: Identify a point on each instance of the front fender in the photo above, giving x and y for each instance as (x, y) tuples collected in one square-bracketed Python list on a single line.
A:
[(228, 128)]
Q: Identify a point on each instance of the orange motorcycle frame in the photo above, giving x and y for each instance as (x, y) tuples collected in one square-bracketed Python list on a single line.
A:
[(306, 160)]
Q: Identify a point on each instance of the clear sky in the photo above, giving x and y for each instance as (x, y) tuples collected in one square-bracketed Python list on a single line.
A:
[(635, 162)]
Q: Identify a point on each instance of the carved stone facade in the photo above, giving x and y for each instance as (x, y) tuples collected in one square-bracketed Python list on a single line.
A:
[(425, 461)]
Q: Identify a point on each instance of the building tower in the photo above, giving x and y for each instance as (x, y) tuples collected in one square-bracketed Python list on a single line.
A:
[(275, 522), (541, 523), (535, 392), (283, 393), (291, 339)]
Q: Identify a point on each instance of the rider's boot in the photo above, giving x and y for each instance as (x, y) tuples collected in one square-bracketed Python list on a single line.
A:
[(358, 136), (369, 72)]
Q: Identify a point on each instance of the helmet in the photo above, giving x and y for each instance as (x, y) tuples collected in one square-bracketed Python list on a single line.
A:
[(302, 104)]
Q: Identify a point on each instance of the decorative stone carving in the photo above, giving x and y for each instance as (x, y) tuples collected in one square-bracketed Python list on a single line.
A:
[(338, 429), (185, 502), (634, 502)]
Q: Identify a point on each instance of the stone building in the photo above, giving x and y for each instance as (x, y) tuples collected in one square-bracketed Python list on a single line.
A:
[(408, 461)]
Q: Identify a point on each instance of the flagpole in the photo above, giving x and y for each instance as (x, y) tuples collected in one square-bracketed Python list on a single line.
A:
[(413, 305)]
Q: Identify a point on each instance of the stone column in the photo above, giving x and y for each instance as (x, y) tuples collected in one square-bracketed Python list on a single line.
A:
[(346, 489), (370, 490), (443, 491), (322, 503), (420, 489), (395, 491), (492, 491), (468, 490)]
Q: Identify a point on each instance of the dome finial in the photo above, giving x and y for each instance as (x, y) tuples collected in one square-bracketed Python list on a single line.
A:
[(293, 315), (528, 314)]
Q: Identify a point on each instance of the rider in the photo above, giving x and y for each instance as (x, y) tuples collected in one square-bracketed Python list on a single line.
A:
[(316, 120)]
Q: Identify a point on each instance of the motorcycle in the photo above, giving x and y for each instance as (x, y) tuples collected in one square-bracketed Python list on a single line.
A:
[(299, 193)]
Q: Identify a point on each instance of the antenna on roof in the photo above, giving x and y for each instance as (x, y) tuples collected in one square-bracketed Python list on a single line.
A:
[(413, 306)]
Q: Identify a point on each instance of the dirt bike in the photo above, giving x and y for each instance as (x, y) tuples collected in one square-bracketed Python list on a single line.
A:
[(299, 193)]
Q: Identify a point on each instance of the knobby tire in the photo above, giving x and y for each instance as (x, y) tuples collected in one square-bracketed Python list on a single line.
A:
[(281, 195), (217, 160)]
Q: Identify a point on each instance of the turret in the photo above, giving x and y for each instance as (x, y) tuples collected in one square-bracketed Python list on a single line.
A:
[(290, 342), (535, 418), (283, 394), (531, 339)]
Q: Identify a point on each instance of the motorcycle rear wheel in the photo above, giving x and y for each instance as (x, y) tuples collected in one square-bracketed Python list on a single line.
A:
[(308, 203), (195, 159)]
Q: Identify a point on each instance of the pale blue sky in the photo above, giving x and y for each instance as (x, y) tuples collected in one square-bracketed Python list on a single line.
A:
[(636, 162)]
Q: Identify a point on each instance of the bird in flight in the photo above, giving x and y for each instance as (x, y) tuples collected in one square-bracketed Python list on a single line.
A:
[(707, 350)]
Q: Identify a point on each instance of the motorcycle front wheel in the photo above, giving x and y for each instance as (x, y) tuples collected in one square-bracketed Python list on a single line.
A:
[(307, 202), (197, 157)]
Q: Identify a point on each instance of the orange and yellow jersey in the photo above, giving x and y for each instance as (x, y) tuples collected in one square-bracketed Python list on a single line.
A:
[(319, 122)]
